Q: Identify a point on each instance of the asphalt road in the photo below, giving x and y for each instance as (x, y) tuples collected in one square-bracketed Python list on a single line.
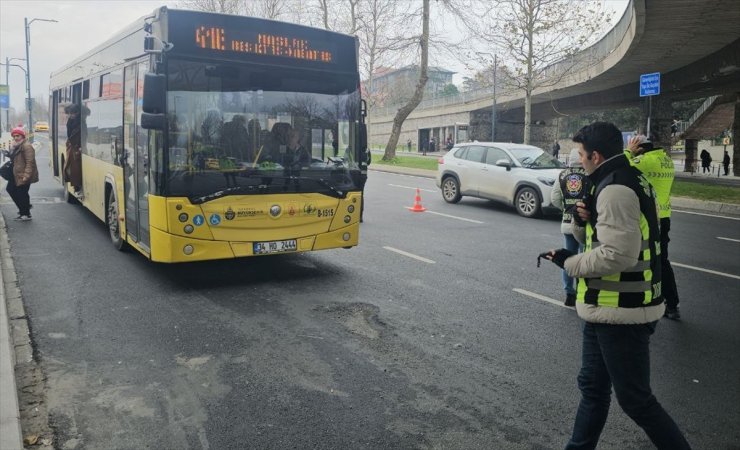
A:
[(414, 339)]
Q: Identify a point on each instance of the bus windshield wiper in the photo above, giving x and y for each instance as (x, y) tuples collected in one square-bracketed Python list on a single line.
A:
[(232, 190), (334, 191)]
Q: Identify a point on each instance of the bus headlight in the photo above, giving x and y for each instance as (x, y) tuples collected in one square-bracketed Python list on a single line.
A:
[(188, 229), (183, 217), (188, 249), (347, 219), (346, 236), (351, 208)]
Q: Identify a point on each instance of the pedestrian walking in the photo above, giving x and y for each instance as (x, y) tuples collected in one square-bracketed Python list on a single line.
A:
[(706, 160), (619, 294), (726, 163), (408, 145), (25, 172), (571, 187), (555, 150), (658, 168)]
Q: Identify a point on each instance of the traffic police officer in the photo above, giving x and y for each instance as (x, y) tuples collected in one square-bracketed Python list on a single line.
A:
[(658, 168), (619, 292)]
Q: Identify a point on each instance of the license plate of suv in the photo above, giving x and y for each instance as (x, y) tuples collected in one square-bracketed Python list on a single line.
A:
[(262, 248)]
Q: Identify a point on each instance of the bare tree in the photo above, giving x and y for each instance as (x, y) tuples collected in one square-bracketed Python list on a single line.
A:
[(217, 6), (533, 35), (267, 9), (404, 111)]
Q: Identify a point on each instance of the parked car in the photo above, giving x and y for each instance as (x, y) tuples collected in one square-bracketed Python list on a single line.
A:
[(518, 175), (41, 126)]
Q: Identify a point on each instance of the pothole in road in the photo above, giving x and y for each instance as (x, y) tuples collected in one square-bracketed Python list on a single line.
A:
[(358, 318)]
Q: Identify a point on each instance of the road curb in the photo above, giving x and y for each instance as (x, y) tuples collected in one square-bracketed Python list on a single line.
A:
[(707, 206), (11, 436)]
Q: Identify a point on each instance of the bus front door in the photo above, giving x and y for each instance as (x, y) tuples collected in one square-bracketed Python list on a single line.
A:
[(136, 161)]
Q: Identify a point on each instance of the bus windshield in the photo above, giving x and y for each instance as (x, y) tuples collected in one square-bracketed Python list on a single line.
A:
[(249, 129)]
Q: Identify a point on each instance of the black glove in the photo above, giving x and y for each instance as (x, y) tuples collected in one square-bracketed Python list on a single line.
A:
[(558, 258)]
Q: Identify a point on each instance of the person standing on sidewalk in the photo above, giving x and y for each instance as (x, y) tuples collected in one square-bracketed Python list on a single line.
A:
[(658, 168), (726, 162), (25, 172), (570, 188), (618, 294)]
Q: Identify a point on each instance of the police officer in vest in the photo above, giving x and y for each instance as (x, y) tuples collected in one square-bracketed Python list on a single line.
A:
[(658, 168), (572, 187), (619, 291)]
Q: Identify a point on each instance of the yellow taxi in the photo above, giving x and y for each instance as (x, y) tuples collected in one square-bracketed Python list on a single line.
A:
[(41, 126)]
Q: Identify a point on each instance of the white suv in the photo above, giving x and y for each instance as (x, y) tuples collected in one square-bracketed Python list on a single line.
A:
[(516, 174)]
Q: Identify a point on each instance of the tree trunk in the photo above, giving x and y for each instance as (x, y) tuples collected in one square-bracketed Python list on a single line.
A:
[(404, 111), (527, 116)]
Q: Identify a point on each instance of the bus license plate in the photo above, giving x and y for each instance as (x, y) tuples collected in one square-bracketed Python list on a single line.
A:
[(261, 248)]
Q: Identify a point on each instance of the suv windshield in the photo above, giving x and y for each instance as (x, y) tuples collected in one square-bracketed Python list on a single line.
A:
[(238, 129), (534, 158)]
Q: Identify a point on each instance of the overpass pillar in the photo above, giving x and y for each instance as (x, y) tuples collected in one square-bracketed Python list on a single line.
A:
[(735, 158), (690, 151)]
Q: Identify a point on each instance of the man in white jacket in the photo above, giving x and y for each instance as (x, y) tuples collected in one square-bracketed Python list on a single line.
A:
[(619, 292)]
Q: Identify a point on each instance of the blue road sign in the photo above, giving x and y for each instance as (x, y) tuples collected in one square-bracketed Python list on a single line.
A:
[(4, 96), (650, 84)]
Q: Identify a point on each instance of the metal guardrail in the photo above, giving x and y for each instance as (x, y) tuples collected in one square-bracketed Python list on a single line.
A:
[(591, 55)]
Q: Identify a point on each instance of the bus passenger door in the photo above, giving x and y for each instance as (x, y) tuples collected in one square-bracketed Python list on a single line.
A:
[(136, 157)]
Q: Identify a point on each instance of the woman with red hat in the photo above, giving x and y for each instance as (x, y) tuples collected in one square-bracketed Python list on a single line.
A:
[(25, 172)]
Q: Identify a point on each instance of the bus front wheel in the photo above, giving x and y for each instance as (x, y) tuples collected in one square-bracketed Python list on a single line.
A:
[(111, 219)]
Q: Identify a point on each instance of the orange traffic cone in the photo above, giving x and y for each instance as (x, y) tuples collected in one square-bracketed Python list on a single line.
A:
[(417, 203)]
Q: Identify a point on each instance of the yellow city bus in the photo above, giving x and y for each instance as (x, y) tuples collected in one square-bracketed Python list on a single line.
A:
[(208, 136)]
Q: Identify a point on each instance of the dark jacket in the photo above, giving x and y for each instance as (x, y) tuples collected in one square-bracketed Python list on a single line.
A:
[(24, 164)]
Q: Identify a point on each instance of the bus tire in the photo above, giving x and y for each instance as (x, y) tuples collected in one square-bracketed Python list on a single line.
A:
[(111, 220)]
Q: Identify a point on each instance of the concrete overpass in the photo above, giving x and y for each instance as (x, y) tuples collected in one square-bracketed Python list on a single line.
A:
[(694, 44)]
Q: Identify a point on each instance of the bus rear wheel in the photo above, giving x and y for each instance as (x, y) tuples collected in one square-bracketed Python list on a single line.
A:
[(111, 219)]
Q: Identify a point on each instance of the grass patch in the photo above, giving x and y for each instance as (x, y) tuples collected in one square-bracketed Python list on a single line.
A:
[(416, 162), (712, 192)]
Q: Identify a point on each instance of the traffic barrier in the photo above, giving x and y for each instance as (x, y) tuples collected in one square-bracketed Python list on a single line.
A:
[(417, 203)]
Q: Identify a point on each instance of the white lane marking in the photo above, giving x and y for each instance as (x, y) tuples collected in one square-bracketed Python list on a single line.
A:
[(728, 239), (686, 266), (542, 297), (454, 217), (705, 214), (410, 255), (409, 187)]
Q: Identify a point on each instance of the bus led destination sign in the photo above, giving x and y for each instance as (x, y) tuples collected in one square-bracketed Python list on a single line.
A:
[(215, 38)]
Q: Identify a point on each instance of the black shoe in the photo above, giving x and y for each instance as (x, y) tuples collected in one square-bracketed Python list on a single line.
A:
[(672, 313), (570, 300)]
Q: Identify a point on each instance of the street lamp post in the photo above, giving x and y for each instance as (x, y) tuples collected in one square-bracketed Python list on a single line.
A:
[(493, 106), (7, 82), (27, 25)]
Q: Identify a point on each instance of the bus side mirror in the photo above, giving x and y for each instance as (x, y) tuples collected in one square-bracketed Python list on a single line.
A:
[(154, 94), (363, 144), (152, 121)]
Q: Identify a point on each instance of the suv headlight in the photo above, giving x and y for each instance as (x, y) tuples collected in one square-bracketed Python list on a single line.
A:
[(547, 181)]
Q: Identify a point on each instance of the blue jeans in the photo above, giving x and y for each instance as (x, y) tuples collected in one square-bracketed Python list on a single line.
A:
[(569, 283), (619, 356)]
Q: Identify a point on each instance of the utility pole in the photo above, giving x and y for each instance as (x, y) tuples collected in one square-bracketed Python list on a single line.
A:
[(493, 107), (27, 24)]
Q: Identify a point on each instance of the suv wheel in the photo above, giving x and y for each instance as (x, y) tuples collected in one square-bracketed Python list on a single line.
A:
[(451, 190), (527, 202)]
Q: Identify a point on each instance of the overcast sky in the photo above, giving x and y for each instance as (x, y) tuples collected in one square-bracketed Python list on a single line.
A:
[(82, 25)]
